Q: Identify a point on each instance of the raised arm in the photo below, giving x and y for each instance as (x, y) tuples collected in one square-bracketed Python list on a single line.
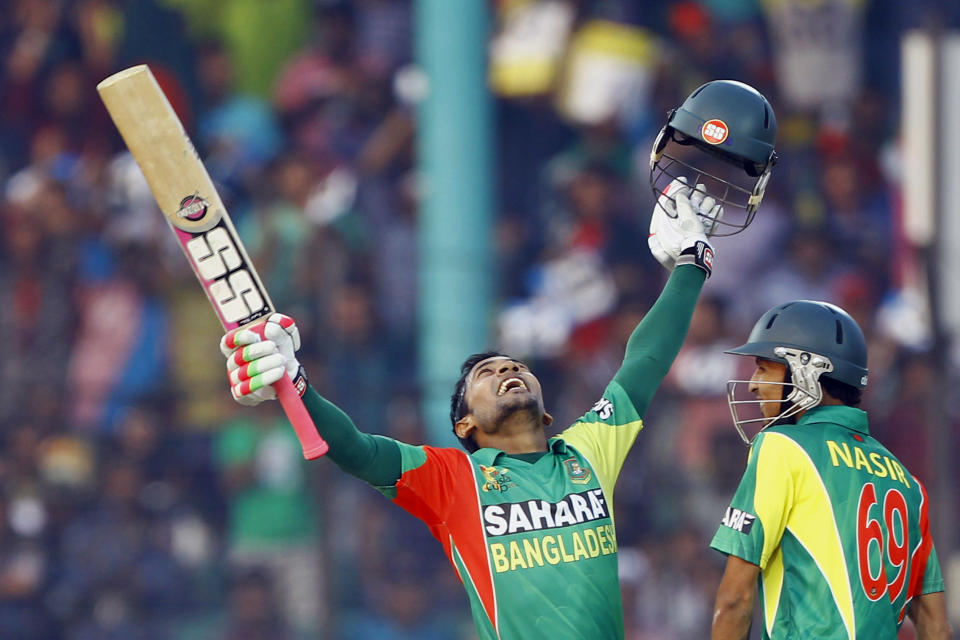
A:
[(655, 342), (678, 242)]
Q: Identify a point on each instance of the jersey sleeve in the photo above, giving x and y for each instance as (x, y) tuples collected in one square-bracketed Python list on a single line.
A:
[(924, 564), (605, 434), (432, 482), (654, 343), (754, 522), (374, 459), (932, 577)]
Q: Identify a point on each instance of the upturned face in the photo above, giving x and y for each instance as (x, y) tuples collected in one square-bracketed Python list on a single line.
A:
[(500, 388), (771, 395)]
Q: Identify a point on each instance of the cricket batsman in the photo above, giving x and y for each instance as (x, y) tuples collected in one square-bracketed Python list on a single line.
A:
[(525, 519)]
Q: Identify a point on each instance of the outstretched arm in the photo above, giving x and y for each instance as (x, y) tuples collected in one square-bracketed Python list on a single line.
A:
[(655, 342), (256, 359), (373, 459), (678, 242)]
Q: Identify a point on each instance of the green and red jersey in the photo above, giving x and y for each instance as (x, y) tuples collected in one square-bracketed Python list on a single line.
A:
[(532, 535), (838, 527), (521, 533)]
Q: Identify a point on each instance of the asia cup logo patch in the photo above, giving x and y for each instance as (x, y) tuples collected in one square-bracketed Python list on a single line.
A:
[(495, 479), (714, 131), (578, 474)]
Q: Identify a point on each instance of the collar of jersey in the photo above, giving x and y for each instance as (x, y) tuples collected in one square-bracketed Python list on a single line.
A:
[(844, 416), (488, 455)]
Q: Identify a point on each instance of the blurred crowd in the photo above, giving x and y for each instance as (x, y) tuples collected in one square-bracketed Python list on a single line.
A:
[(137, 501)]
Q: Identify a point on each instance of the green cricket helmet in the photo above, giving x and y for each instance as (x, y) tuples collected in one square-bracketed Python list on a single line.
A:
[(729, 121), (812, 339)]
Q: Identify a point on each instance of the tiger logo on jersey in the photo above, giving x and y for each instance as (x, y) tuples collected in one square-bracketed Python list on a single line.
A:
[(496, 479)]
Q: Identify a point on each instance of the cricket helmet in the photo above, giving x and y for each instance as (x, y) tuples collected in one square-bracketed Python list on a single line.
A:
[(812, 339), (730, 121)]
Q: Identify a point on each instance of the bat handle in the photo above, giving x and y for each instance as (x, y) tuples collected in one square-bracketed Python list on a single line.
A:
[(313, 445)]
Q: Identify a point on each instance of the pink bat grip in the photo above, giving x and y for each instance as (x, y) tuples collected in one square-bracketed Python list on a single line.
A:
[(313, 445)]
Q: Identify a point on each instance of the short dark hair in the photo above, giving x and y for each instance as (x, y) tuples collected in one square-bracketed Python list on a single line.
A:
[(458, 401), (845, 393)]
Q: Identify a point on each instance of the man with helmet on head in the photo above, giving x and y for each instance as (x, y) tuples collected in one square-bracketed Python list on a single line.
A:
[(832, 526), (525, 518)]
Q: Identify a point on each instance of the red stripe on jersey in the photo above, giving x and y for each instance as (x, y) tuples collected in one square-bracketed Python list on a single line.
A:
[(918, 563), (446, 482)]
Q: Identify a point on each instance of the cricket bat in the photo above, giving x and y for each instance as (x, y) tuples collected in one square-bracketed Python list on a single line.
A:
[(190, 203)]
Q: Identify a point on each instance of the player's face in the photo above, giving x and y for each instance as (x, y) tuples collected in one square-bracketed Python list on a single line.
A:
[(500, 387), (771, 395)]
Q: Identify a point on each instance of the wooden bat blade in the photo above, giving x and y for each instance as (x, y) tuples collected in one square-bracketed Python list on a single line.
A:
[(186, 195), (189, 201)]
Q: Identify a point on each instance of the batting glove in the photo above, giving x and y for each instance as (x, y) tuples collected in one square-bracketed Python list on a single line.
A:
[(677, 234), (259, 356)]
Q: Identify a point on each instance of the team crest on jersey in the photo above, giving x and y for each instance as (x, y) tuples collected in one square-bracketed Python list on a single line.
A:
[(578, 474), (738, 520), (496, 479)]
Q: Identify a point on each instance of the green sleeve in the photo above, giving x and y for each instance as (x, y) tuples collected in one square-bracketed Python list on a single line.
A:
[(657, 339), (374, 459), (932, 577)]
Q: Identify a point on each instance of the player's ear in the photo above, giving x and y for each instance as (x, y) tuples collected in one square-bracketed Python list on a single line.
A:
[(465, 426), (547, 419)]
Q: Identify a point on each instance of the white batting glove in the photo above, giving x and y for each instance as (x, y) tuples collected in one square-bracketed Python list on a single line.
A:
[(259, 356), (677, 234)]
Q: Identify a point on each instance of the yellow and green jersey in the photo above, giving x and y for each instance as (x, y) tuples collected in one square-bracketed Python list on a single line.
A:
[(838, 527)]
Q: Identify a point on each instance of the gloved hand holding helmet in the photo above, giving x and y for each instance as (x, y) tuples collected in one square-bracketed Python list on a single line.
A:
[(677, 233), (735, 128)]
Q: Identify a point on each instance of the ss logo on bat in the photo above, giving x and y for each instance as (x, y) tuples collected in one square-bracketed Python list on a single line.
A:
[(222, 269)]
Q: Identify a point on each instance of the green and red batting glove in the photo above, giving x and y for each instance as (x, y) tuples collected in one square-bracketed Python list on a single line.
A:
[(259, 356)]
